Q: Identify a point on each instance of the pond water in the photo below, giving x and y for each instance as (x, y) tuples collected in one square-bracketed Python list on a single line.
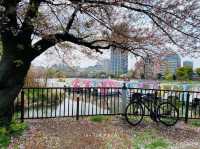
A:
[(67, 107)]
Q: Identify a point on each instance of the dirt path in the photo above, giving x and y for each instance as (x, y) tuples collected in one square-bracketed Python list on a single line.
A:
[(114, 133)]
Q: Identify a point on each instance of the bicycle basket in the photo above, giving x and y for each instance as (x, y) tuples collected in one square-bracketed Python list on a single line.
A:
[(136, 96)]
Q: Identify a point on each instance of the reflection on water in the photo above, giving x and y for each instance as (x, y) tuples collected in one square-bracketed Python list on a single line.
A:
[(66, 108)]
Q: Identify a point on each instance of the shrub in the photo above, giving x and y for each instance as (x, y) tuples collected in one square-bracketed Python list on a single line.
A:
[(4, 138), (195, 123), (4, 141), (15, 128)]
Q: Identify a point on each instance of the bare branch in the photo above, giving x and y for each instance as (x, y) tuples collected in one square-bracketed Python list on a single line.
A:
[(71, 20)]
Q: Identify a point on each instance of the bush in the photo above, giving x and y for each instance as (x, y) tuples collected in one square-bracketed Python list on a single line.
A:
[(4, 141), (61, 80), (4, 138), (195, 123), (14, 129)]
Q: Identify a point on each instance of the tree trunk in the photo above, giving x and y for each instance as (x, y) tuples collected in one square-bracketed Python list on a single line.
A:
[(12, 77)]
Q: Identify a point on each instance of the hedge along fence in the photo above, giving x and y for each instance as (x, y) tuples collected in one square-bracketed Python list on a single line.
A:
[(42, 97)]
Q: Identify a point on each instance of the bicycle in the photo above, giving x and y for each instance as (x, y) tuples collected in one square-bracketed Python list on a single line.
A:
[(164, 112)]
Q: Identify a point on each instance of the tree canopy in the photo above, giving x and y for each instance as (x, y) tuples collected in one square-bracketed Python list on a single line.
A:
[(152, 25), (198, 71), (184, 73), (168, 75)]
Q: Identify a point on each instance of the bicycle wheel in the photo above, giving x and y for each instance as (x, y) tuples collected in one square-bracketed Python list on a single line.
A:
[(134, 113), (167, 114)]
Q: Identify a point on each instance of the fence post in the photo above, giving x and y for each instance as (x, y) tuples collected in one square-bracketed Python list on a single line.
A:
[(187, 107), (155, 102), (22, 106), (77, 107), (124, 98)]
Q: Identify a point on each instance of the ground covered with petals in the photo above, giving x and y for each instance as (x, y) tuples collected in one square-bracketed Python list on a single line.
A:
[(112, 132)]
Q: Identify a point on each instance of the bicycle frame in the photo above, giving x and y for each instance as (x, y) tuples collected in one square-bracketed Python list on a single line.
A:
[(155, 114), (154, 100)]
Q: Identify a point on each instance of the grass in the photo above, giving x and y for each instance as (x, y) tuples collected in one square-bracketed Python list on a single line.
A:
[(98, 118), (15, 129), (195, 123), (149, 140), (158, 143)]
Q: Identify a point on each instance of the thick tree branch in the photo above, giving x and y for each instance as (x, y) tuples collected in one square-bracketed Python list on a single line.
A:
[(52, 40), (8, 22), (27, 28)]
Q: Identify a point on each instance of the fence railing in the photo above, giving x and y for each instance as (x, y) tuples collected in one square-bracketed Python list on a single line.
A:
[(35, 103), (68, 102)]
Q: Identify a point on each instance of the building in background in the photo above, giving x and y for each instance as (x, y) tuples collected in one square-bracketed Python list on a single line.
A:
[(102, 67), (148, 68), (170, 63), (188, 64), (119, 62)]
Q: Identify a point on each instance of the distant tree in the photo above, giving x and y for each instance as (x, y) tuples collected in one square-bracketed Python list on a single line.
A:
[(142, 76), (131, 74), (32, 78), (159, 76), (168, 75), (198, 71), (184, 73), (174, 77), (102, 74)]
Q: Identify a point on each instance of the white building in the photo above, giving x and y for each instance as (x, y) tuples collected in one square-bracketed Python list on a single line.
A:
[(170, 63)]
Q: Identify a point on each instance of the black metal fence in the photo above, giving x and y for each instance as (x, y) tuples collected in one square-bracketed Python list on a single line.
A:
[(35, 103), (187, 102), (68, 102)]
